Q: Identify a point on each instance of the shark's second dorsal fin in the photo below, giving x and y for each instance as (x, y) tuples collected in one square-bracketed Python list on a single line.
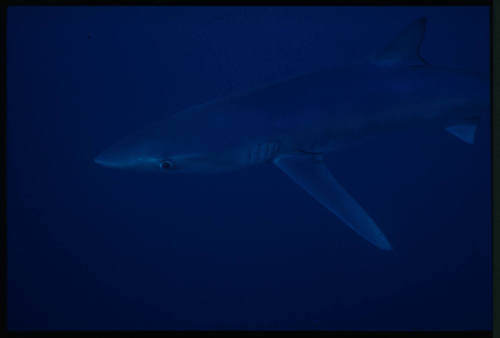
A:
[(405, 48), (464, 132)]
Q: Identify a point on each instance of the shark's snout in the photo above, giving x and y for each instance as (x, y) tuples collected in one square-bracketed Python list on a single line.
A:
[(112, 158), (106, 161), (129, 158)]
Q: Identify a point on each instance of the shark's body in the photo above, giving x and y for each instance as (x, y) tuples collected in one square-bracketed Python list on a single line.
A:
[(292, 123)]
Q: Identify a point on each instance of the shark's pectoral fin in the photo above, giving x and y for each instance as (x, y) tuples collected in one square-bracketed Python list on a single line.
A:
[(309, 172)]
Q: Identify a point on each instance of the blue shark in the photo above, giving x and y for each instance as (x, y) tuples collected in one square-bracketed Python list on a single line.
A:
[(295, 122)]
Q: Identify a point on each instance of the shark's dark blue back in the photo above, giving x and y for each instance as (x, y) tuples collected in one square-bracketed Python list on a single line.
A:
[(347, 104)]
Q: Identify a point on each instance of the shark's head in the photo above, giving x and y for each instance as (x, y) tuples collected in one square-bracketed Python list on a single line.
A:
[(141, 159), (165, 150)]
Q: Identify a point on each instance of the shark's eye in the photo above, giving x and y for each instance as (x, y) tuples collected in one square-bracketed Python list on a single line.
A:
[(166, 164)]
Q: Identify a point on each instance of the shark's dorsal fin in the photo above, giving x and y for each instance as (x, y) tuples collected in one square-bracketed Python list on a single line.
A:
[(404, 49), (310, 173)]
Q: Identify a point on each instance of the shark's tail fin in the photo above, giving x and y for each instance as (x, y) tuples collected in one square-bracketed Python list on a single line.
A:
[(465, 130)]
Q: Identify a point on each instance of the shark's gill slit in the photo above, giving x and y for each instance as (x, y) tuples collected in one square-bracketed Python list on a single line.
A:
[(262, 152)]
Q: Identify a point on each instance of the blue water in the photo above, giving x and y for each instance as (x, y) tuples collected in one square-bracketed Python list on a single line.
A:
[(93, 248)]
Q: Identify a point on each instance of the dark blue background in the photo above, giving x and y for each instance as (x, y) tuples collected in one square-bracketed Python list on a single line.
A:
[(96, 248)]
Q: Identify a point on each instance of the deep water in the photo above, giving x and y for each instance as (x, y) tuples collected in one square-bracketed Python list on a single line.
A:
[(93, 248)]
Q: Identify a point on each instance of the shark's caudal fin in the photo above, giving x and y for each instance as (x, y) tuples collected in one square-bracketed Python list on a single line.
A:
[(404, 49), (310, 173)]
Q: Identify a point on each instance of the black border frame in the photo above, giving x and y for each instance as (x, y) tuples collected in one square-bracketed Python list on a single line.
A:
[(495, 164)]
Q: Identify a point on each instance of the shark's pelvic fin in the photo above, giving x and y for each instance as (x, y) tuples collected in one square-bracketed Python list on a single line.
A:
[(465, 132), (405, 48), (310, 172)]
